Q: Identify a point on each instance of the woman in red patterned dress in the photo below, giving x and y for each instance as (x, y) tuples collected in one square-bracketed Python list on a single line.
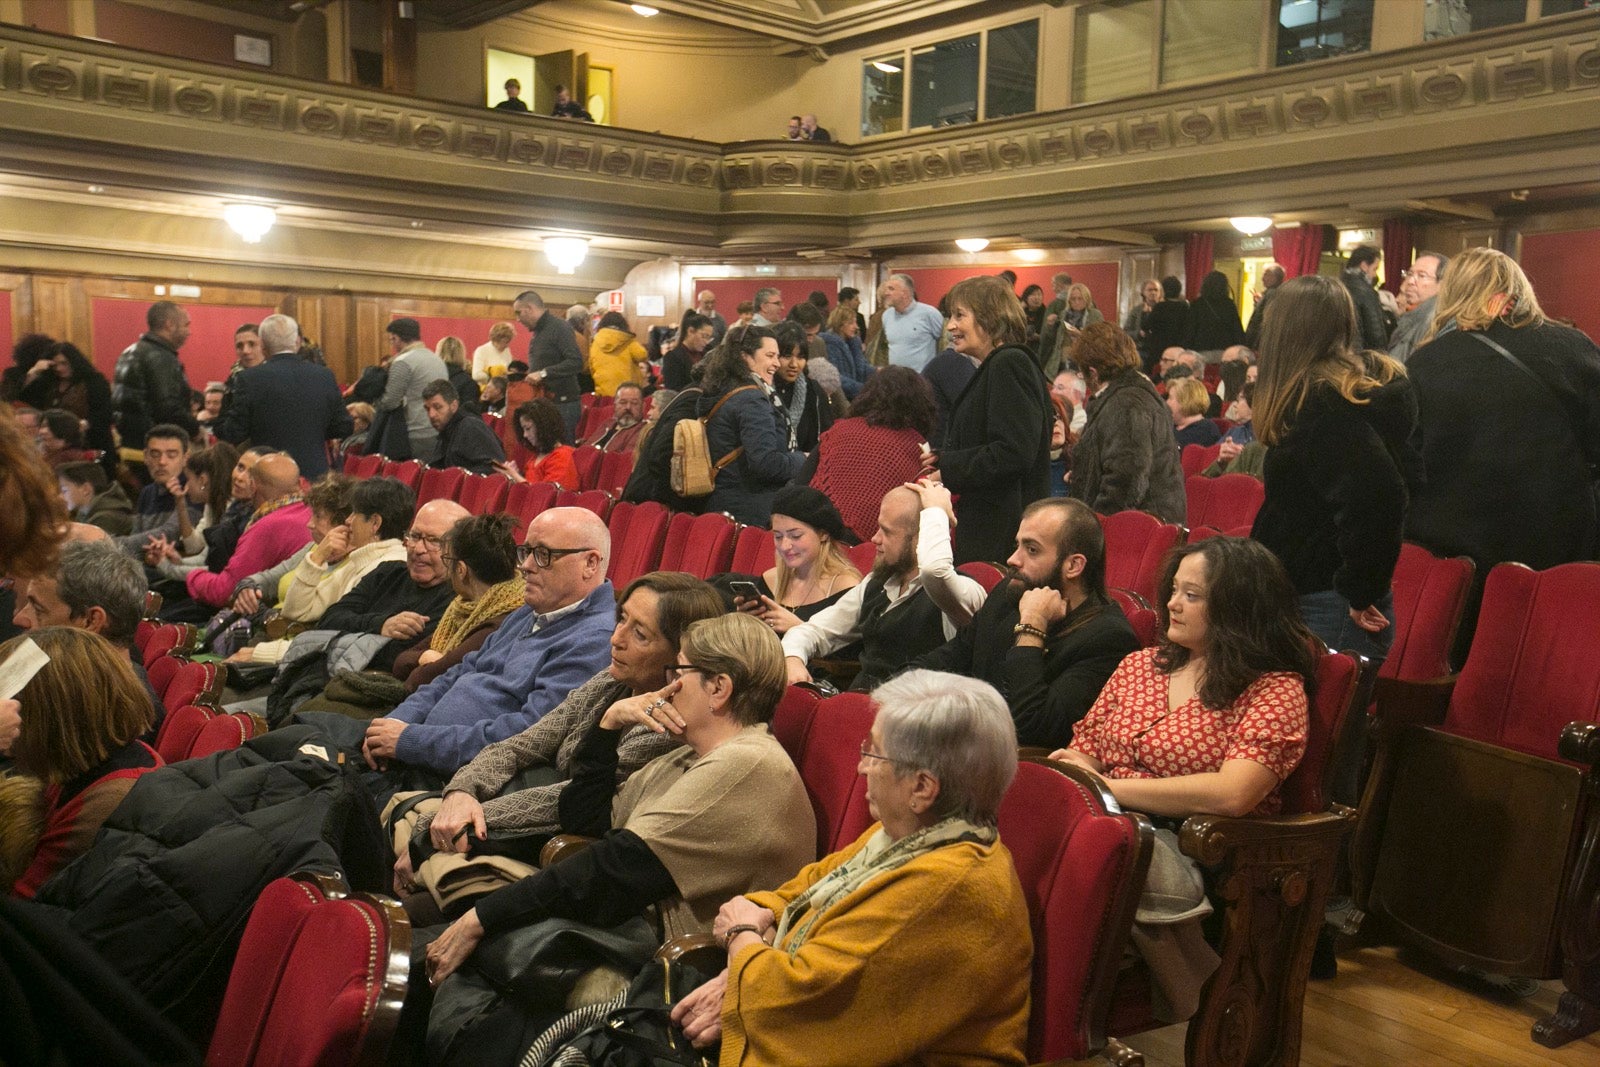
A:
[(1214, 717)]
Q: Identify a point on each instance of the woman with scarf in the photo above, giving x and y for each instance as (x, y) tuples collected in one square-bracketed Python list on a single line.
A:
[(805, 403), (865, 957), (747, 425)]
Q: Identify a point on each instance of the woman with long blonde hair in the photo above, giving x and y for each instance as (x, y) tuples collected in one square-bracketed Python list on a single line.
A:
[(1336, 422)]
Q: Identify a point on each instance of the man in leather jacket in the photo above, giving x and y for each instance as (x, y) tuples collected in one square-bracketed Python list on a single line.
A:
[(149, 385)]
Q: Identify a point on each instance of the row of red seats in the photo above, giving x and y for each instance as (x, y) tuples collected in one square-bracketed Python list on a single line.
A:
[(596, 470)]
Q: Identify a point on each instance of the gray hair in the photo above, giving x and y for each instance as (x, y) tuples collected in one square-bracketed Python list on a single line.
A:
[(905, 280), (959, 730), (279, 333), (762, 295), (98, 574)]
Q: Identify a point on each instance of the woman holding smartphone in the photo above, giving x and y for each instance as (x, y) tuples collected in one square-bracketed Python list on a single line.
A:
[(810, 569)]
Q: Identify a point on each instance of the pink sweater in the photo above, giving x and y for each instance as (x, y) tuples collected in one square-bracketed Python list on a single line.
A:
[(265, 543)]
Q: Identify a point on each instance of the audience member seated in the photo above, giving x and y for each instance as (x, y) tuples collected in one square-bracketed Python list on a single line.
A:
[(155, 512), (1126, 458), (542, 652), (492, 395), (279, 527), (542, 430), (483, 803), (1240, 452), (615, 356), (93, 498), (215, 483), (720, 816), (806, 406), (1212, 720), (482, 561), (746, 426), (356, 527), (914, 601), (92, 587), (361, 416), (1048, 637), (453, 352), (911, 945), (81, 718), (810, 571), (1188, 402), (621, 431), (891, 422), (843, 341), (464, 440)]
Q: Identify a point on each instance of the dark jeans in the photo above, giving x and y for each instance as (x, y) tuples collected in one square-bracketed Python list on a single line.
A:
[(571, 412), (1327, 615)]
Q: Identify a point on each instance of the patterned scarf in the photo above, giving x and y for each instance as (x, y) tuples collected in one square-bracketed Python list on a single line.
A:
[(791, 421), (270, 506), (464, 616), (878, 856)]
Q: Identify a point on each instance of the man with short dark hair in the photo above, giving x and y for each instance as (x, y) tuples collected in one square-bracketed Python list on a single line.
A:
[(850, 297), (1421, 288), (411, 370), (1048, 637), (464, 441), (1359, 276), (287, 403), (553, 356), (621, 432), (155, 513), (1271, 278), (513, 100), (149, 385)]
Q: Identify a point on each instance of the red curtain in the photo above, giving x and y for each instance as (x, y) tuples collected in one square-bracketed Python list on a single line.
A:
[(1297, 250), (1399, 238), (1198, 261)]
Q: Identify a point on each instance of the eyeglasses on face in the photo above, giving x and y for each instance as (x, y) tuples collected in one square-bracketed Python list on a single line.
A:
[(1419, 275), (543, 555), (679, 668), (867, 753), (414, 537)]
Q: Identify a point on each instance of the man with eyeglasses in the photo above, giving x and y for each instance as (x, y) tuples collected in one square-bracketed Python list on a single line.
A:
[(544, 650), (769, 307), (1421, 290)]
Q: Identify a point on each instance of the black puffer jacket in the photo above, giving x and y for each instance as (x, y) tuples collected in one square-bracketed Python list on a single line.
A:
[(149, 388), (1127, 456), (165, 891)]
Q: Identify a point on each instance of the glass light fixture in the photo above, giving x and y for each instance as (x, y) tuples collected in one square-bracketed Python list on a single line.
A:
[(646, 10), (249, 221), (1250, 225), (566, 254), (972, 244), (1030, 255), (885, 66)]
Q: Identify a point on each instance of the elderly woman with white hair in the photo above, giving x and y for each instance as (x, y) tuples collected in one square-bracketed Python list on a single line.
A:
[(866, 957)]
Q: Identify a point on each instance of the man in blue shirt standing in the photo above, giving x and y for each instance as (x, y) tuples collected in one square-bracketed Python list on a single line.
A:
[(912, 328), (558, 640)]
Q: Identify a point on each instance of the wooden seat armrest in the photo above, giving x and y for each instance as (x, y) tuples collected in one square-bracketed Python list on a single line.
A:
[(1037, 753), (1209, 839), (1413, 703), (704, 952), (563, 846), (1580, 743)]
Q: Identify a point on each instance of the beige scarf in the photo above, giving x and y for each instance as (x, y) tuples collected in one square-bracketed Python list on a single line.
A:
[(464, 616)]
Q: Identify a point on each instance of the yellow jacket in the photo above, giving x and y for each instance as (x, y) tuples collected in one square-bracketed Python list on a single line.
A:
[(929, 964), (614, 358)]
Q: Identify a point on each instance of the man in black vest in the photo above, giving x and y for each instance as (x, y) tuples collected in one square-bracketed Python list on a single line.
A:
[(902, 610), (1049, 637)]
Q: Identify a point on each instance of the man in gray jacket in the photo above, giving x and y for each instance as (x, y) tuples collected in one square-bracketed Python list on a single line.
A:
[(413, 368)]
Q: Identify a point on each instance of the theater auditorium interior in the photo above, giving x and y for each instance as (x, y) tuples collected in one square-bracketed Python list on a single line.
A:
[(543, 206)]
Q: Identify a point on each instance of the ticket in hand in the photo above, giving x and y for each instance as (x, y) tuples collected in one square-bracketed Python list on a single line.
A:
[(20, 667)]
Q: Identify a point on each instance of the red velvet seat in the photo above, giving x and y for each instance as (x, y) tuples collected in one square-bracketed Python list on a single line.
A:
[(180, 729), (222, 733), (824, 740), (863, 556), (1136, 544), (638, 535), (699, 544), (1429, 596), (1226, 502), (587, 459), (364, 467), (615, 468), (1081, 870), (985, 574), (408, 472), (524, 502), (439, 483), (169, 637), (753, 550), (1196, 458), (192, 683), (595, 500), (1480, 837), (318, 982), (484, 494)]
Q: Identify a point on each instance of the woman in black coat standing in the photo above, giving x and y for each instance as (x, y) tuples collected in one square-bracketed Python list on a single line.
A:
[(746, 421), (996, 451), (1336, 422), (1214, 318)]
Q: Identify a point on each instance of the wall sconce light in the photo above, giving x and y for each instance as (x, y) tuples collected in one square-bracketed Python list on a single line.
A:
[(972, 244), (645, 10), (249, 221), (1250, 225), (566, 254)]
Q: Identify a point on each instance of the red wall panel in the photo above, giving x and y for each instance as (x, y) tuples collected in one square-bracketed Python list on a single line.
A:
[(1101, 278), (207, 355), (730, 291), (1559, 265)]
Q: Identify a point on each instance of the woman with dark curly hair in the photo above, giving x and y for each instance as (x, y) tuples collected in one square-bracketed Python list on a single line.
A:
[(890, 422), (73, 384), (747, 428), (24, 382), (541, 427)]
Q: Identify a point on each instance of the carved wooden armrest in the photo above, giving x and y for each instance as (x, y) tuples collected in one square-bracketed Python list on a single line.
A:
[(1413, 703), (704, 952), (1036, 753), (1580, 743), (1212, 839), (1577, 1014), (563, 846)]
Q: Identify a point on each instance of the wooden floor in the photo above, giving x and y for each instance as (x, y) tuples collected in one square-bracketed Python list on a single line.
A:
[(1392, 1007)]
